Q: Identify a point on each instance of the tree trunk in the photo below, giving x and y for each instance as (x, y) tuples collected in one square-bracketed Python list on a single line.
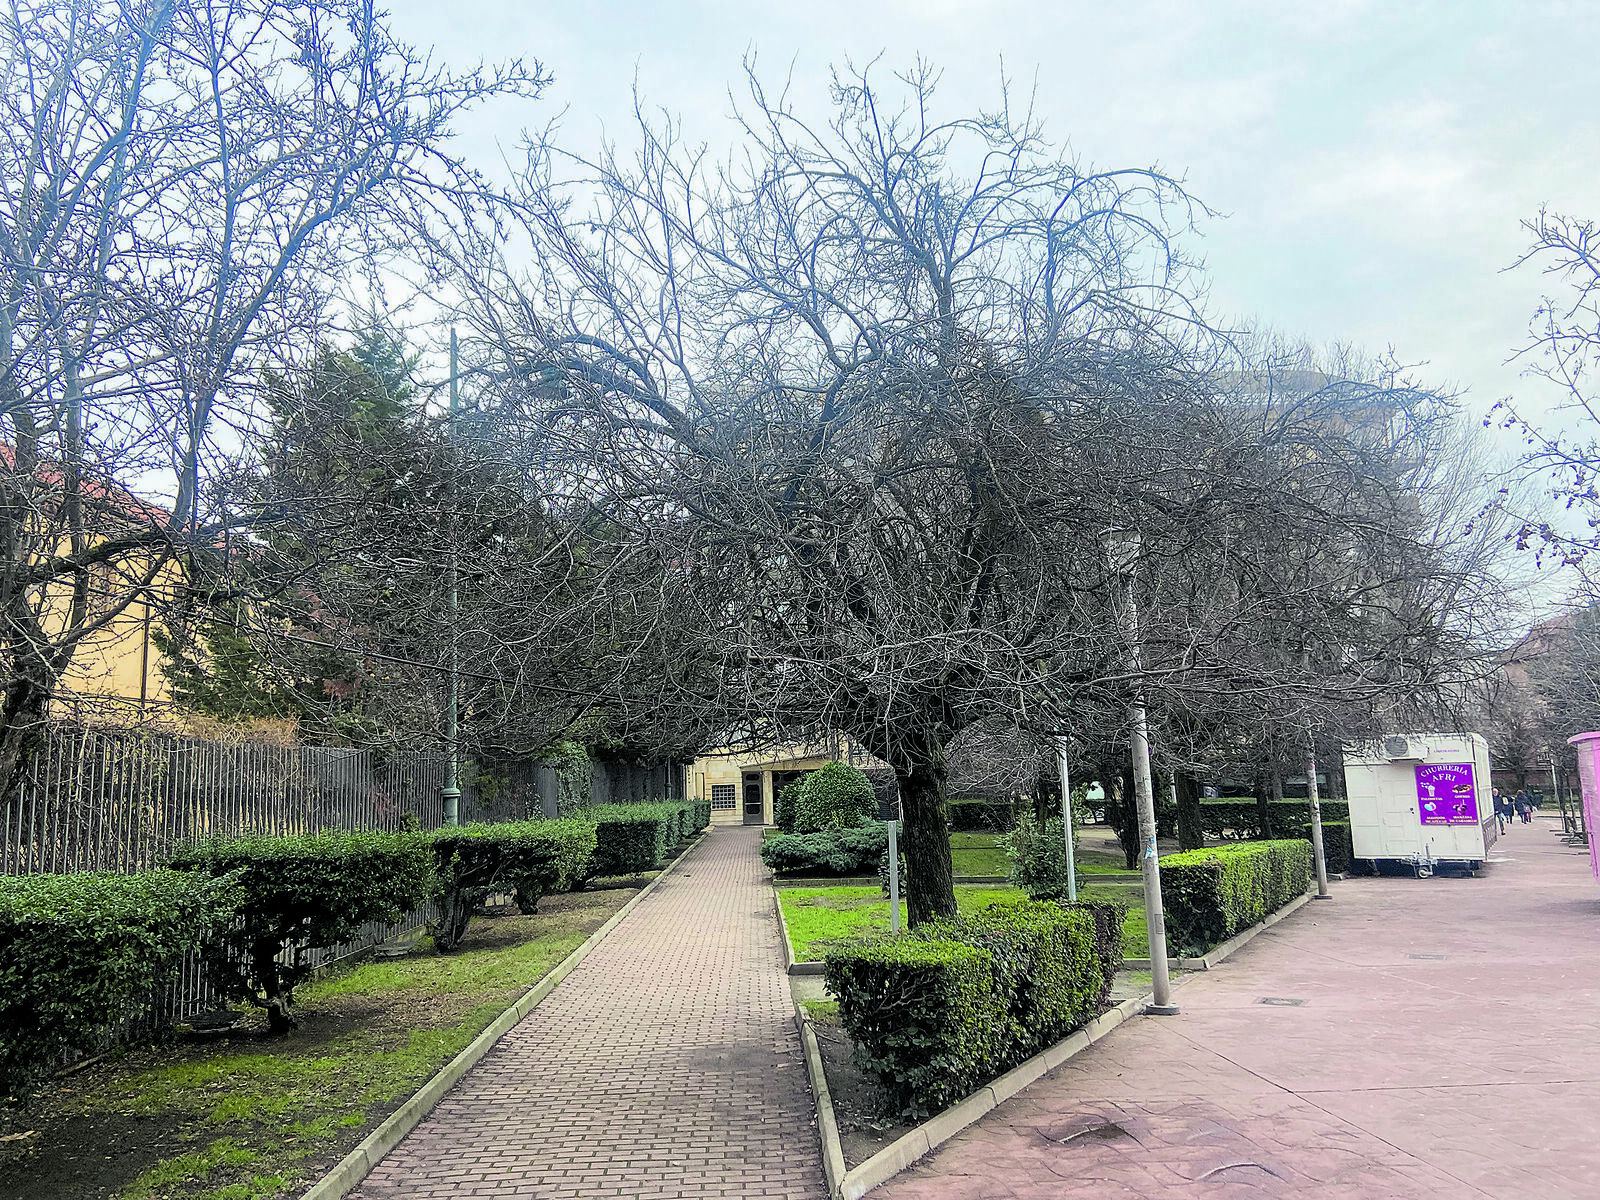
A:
[(1263, 813), (1275, 781), (1128, 830), (1191, 832), (275, 997), (930, 877)]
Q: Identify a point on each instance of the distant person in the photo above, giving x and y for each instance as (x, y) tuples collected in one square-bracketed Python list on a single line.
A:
[(1523, 804), (1502, 810)]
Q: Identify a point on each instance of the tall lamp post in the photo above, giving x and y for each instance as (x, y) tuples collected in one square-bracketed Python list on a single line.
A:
[(1066, 820), (450, 793), (1121, 548)]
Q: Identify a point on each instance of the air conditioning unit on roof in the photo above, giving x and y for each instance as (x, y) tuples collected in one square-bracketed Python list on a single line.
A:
[(1399, 747)]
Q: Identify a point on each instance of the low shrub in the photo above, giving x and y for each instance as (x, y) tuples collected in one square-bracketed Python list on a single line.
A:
[(1210, 895), (983, 816), (76, 950), (1038, 854), (632, 837), (299, 894), (923, 1014), (786, 805), (1338, 851), (838, 796), (831, 852), (929, 1028), (525, 858)]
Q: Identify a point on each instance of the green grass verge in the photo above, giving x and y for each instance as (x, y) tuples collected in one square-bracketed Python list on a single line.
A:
[(247, 1114), (818, 918)]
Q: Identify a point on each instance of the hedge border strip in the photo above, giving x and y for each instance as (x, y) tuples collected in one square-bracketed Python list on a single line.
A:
[(354, 1167), (938, 1129)]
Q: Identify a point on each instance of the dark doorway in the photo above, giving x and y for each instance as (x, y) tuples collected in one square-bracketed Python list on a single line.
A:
[(753, 810)]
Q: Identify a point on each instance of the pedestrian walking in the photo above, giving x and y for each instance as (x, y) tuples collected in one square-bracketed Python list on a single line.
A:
[(1523, 804), (1502, 810)]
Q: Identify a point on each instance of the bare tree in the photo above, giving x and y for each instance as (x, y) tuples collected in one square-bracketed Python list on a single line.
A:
[(182, 188)]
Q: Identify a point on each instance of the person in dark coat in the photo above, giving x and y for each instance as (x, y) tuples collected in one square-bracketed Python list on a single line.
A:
[(1523, 804), (1502, 810)]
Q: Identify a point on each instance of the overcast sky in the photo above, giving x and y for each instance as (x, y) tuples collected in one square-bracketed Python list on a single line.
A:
[(1371, 161)]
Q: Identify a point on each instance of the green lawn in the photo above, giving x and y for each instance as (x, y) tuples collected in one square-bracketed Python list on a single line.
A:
[(820, 917), (978, 854), (252, 1117)]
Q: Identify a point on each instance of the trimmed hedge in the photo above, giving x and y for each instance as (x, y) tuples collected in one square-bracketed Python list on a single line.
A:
[(838, 796), (832, 852), (1210, 895), (526, 858), (702, 815), (924, 1017), (1241, 818), (946, 1008), (634, 837), (76, 950), (303, 893), (1338, 851)]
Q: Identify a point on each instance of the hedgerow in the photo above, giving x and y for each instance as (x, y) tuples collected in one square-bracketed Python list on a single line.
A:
[(76, 950), (527, 859), (634, 837), (1210, 895), (300, 894), (948, 1007)]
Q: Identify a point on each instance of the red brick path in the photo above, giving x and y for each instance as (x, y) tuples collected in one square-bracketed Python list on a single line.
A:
[(1475, 1074), (667, 1064)]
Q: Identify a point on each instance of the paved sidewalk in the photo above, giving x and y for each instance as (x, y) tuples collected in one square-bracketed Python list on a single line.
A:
[(1448, 1045), (667, 1064)]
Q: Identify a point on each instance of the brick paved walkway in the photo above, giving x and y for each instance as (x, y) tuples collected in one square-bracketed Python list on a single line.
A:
[(1448, 1046), (666, 1064)]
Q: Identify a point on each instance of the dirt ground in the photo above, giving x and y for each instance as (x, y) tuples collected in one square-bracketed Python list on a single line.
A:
[(167, 1108)]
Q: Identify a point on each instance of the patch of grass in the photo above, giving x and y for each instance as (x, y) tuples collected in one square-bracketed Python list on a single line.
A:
[(818, 918), (824, 1012), (188, 1168), (369, 1037)]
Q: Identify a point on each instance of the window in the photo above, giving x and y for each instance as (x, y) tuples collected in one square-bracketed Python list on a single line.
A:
[(724, 797)]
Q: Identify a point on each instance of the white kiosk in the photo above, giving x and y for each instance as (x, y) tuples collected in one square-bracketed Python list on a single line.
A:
[(1423, 799)]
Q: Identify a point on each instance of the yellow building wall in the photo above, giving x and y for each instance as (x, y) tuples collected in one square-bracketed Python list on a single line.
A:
[(721, 768)]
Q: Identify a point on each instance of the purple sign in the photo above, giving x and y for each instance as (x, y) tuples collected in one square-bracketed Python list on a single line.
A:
[(1445, 794)]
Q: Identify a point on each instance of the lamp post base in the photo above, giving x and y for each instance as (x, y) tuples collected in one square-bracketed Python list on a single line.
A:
[(1161, 1010)]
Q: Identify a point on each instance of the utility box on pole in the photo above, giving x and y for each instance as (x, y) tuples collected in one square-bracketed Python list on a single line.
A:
[(1421, 799)]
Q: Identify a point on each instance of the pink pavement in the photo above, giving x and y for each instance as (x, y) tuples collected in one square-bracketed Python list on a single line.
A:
[(1448, 1046), (666, 1065)]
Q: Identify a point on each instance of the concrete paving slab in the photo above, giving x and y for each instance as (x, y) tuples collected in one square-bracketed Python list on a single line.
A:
[(1447, 1045)]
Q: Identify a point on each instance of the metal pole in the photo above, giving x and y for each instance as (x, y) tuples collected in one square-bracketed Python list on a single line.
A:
[(1315, 798), (1122, 547), (1066, 821), (450, 793), (894, 876)]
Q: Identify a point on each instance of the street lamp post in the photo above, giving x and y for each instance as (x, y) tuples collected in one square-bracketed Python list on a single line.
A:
[(1066, 821), (1121, 548), (450, 793)]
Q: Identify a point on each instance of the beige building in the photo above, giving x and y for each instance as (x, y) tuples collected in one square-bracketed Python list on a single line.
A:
[(741, 787)]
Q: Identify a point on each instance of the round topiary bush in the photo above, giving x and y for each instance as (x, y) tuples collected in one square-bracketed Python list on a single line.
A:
[(837, 797)]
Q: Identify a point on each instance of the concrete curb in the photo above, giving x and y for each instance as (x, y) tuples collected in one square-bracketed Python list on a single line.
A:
[(354, 1167), (934, 1132), (827, 1123)]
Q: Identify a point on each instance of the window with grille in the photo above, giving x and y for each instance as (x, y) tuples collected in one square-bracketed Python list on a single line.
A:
[(724, 796)]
